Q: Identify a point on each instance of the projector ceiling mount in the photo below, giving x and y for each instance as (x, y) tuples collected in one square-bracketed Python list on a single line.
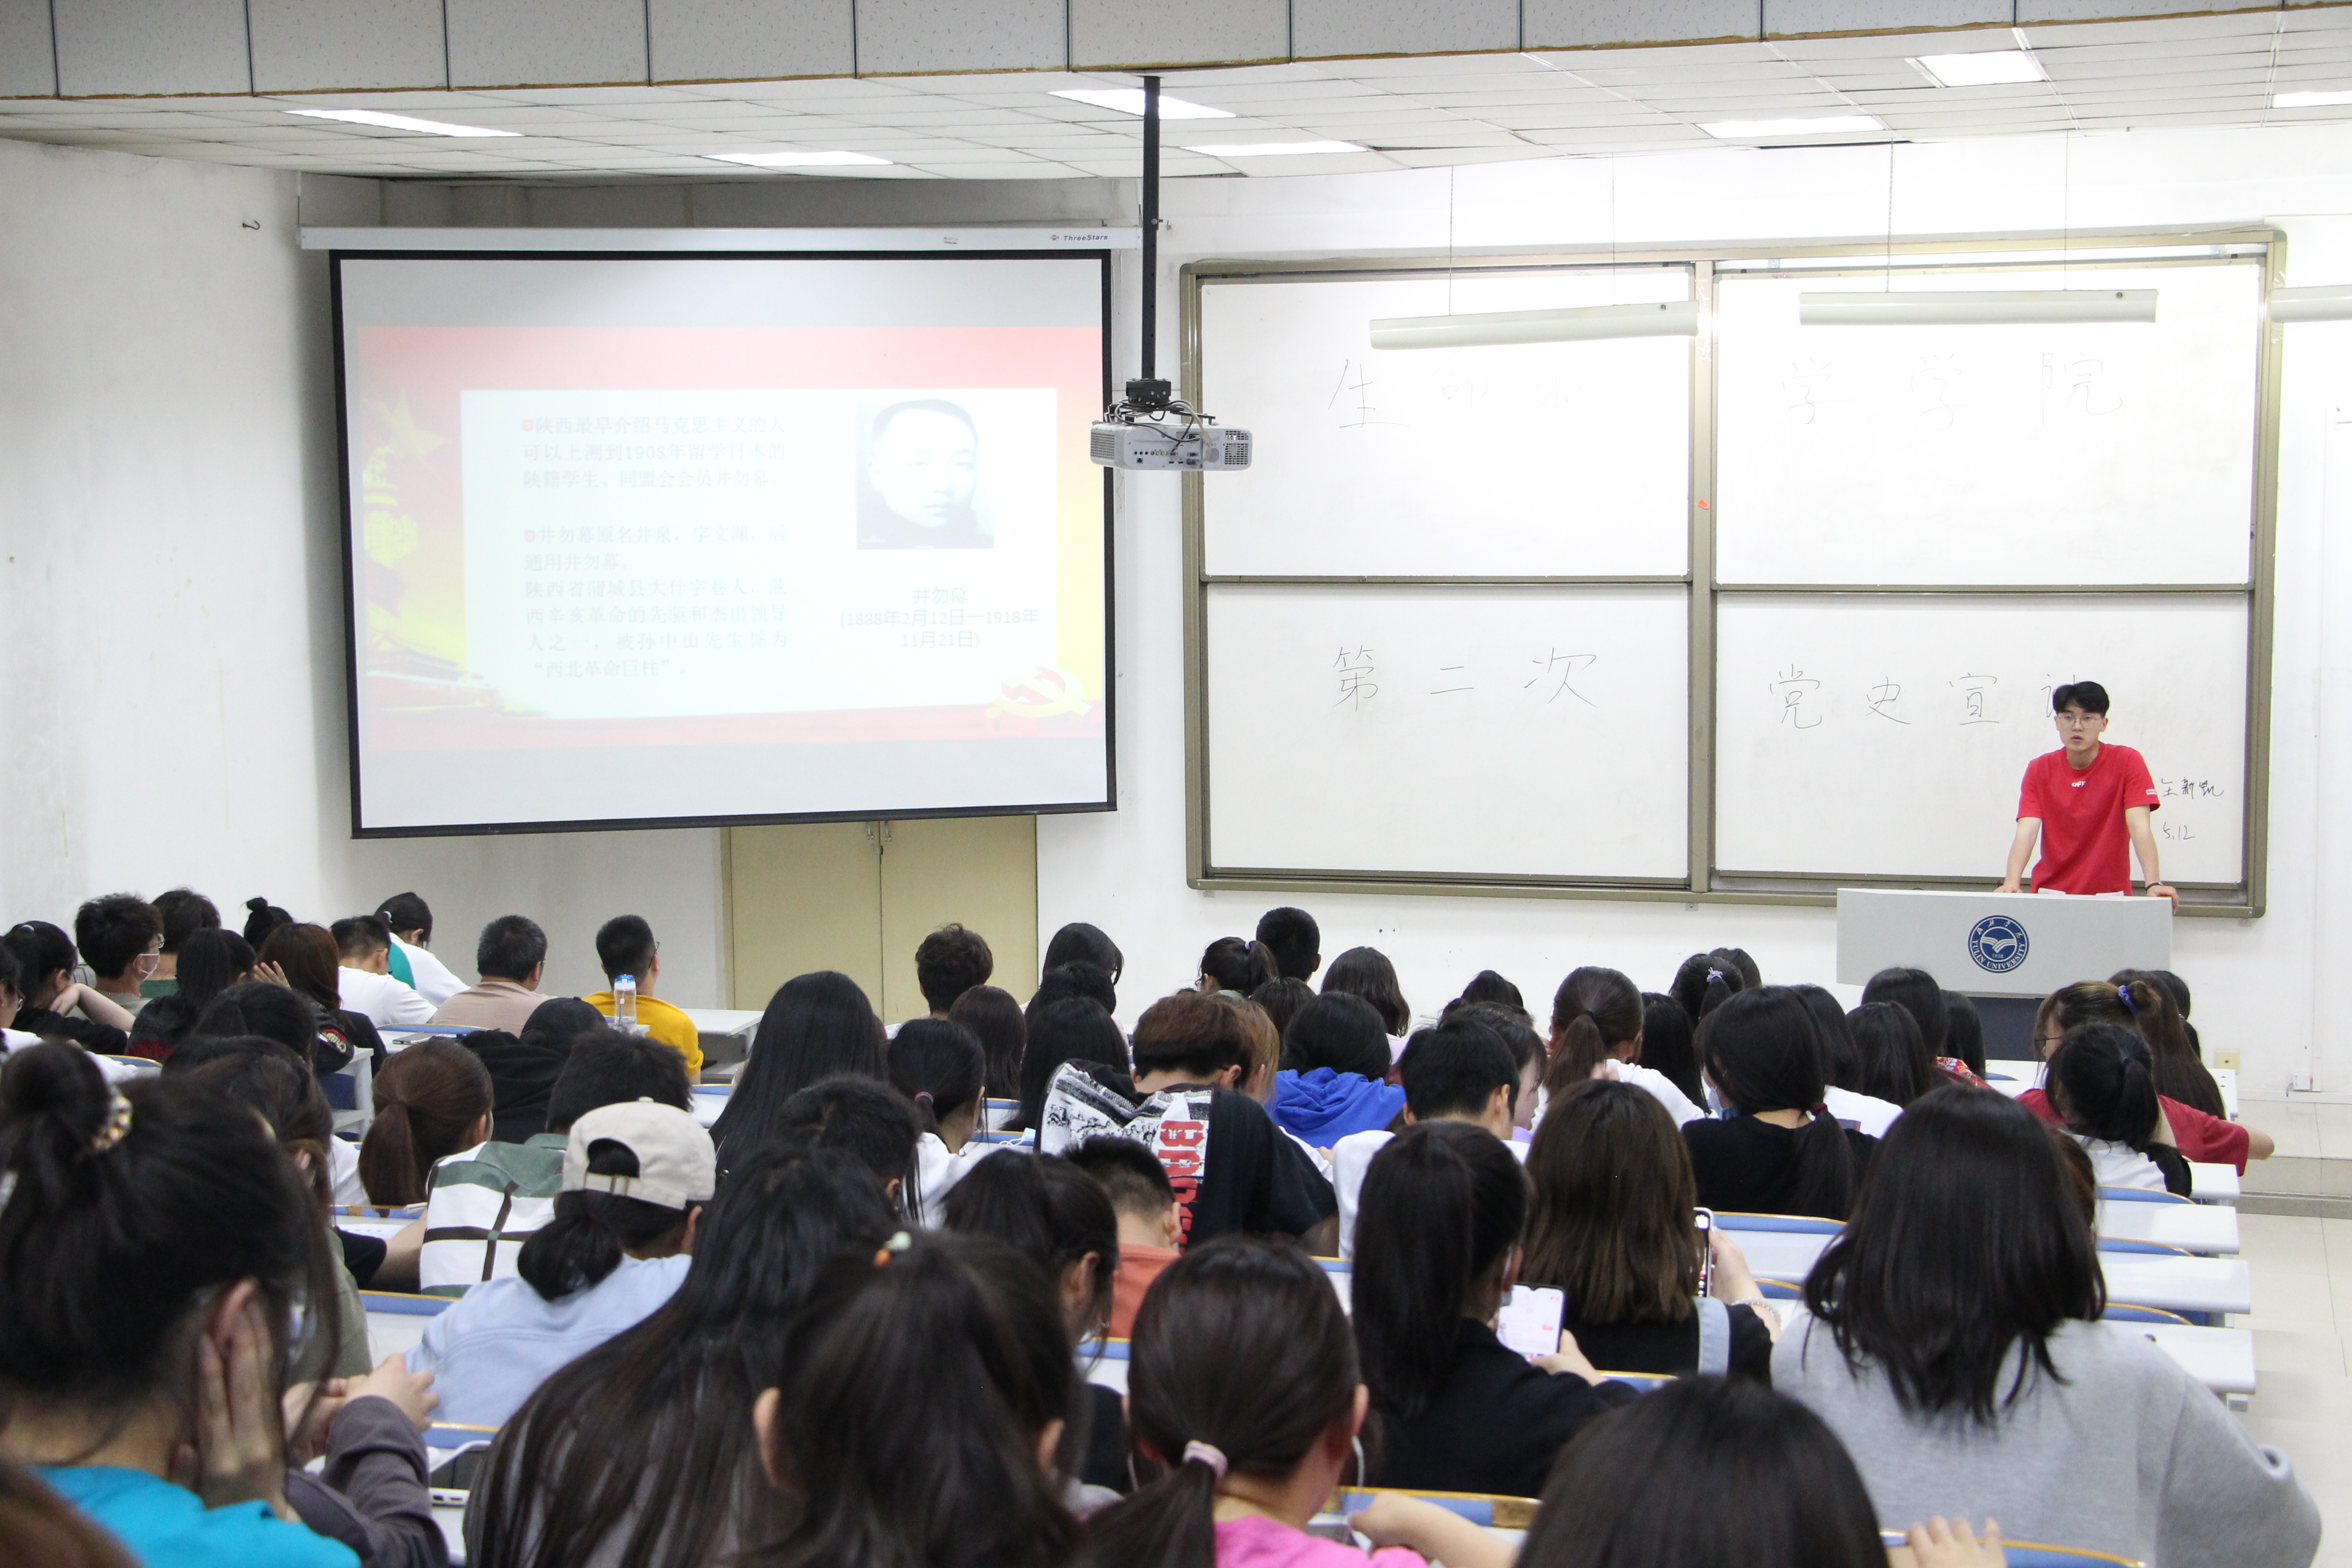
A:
[(1151, 428)]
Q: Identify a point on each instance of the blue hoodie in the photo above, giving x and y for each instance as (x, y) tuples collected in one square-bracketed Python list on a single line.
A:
[(1324, 1106)]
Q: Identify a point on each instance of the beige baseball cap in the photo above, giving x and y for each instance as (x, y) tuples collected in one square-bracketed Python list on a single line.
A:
[(676, 1164)]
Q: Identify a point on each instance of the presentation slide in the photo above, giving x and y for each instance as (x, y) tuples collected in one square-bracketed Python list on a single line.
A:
[(656, 538)]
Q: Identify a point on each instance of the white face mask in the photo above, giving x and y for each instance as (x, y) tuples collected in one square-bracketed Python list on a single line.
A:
[(1717, 1103)]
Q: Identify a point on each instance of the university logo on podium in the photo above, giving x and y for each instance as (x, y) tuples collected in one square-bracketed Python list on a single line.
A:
[(1997, 944)]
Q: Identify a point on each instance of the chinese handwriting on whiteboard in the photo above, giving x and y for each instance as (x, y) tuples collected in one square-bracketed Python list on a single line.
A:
[(1972, 690), (1807, 379), (1796, 690), (1566, 667), (1457, 675), (1932, 384), (2078, 385), (1881, 699), (1351, 397), (1356, 684)]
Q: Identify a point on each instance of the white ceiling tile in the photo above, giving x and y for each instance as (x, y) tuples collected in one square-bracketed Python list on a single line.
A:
[(904, 35), (1581, 24), (108, 46), (1331, 28), (1461, 67), (2244, 23), (307, 44), (734, 40), (29, 56), (512, 43), (1787, 17), (2032, 12), (1108, 34)]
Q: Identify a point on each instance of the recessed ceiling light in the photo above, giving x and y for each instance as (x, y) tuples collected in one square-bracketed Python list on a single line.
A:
[(797, 160), (1278, 149), (1129, 100), (2309, 99), (1819, 125), (1989, 67), (399, 122)]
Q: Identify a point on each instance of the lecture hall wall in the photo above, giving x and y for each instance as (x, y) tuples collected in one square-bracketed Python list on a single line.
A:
[(173, 675)]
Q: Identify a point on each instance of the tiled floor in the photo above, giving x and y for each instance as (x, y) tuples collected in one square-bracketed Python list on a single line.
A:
[(2304, 1131), (2301, 1323)]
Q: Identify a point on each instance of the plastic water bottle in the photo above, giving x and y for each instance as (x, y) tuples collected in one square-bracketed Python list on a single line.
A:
[(624, 1003)]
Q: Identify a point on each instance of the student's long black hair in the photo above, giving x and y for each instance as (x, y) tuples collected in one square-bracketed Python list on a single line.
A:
[(1915, 992), (642, 1452), (996, 1020), (915, 1386), (2104, 1079), (591, 1233), (1366, 972), (940, 1066), (1895, 1063), (1667, 1044), (1762, 1051), (1080, 941), (2152, 999), (1444, 1204), (1237, 965), (1967, 1241), (1338, 1031), (1707, 1471), (1048, 1209), (1594, 1012), (1704, 983), (1072, 1029), (1240, 1344), (816, 1026), (210, 962)]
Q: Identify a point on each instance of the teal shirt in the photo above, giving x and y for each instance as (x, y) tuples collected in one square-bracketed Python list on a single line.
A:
[(165, 1526), (395, 964)]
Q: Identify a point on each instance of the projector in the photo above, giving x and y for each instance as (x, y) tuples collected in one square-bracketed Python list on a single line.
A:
[(1190, 443)]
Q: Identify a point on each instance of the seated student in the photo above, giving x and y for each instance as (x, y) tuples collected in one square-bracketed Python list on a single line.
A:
[(1335, 1073), (1841, 1065), (1776, 1149), (817, 1027), (1145, 1204), (994, 1018), (279, 1013), (917, 1412), (431, 1100), (948, 962), (1458, 1071), (210, 962), (411, 960), (1704, 982), (1437, 1251), (1667, 1046), (510, 957), (1243, 1388), (1915, 992), (364, 980), (1488, 986), (1294, 939), (1070, 1029), (262, 916), (305, 958), (625, 945), (488, 1199), (36, 1525), (1963, 1029), (1229, 964), (1366, 972), (1712, 1470), (122, 939), (2103, 1090), (523, 1069), (1954, 1347), (1231, 1169), (941, 1068), (2154, 1008), (2200, 1136), (1261, 1053), (1896, 1065), (185, 912), (1282, 999), (1078, 940), (1048, 1209), (636, 1178), (1596, 1032), (56, 1005), (1611, 1228), (1516, 1029), (675, 1393), (151, 1254)]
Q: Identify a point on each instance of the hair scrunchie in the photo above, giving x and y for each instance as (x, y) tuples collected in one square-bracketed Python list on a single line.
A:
[(2123, 995), (1208, 1453)]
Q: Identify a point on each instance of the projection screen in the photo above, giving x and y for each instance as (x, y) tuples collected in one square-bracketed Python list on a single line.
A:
[(660, 539)]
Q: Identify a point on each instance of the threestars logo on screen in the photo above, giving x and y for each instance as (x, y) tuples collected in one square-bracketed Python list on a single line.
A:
[(1997, 944)]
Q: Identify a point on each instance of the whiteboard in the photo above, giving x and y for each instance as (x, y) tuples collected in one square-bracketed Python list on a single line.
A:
[(2076, 454), (1536, 732), (1887, 736), (1526, 459)]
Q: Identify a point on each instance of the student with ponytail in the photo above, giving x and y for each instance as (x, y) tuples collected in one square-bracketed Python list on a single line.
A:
[(1596, 1032), (1242, 1385), (154, 1243), (1841, 1065), (1437, 1251), (2103, 1087), (431, 1100), (1704, 983), (1775, 1149), (2201, 1135), (636, 1178), (943, 1068), (2156, 1011), (1241, 967)]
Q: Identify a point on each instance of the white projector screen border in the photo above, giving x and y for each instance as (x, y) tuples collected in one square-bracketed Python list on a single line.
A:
[(900, 778)]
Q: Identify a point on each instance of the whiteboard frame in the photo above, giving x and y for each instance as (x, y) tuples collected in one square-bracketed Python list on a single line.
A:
[(1709, 883)]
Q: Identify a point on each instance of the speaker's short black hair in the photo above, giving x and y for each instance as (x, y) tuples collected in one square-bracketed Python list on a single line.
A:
[(2088, 695)]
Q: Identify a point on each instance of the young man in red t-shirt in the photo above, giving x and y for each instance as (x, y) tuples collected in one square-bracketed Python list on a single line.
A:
[(2084, 802)]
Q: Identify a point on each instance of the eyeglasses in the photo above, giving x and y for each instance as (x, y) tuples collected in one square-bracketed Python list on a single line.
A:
[(2080, 720)]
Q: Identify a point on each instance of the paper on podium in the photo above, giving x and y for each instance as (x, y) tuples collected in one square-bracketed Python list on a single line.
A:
[(1999, 944)]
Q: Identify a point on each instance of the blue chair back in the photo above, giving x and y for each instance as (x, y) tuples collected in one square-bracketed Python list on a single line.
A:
[(1486, 1511), (2126, 1312), (2033, 1555), (1798, 1224), (2119, 1244), (2138, 1195), (1780, 1289)]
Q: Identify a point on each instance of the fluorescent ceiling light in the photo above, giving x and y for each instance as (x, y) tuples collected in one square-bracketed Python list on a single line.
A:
[(1987, 307), (1278, 149), (2309, 99), (2328, 302), (1817, 125), (399, 122), (798, 160), (1992, 68), (1129, 100), (1676, 319)]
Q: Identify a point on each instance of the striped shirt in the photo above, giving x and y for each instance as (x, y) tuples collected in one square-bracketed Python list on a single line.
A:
[(486, 1201)]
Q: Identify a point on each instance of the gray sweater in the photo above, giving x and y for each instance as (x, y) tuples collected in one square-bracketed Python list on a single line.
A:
[(2129, 1455)]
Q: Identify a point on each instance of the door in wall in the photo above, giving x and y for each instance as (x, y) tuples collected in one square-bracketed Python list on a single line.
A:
[(858, 896)]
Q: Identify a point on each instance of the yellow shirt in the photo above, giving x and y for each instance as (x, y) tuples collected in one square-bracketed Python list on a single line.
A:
[(663, 1022)]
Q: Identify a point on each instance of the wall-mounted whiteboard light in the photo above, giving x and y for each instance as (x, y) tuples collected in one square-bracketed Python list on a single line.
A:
[(1987, 68), (383, 122), (2328, 302), (1129, 100), (1675, 318), (797, 160), (2309, 99), (1986, 306), (1815, 125)]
